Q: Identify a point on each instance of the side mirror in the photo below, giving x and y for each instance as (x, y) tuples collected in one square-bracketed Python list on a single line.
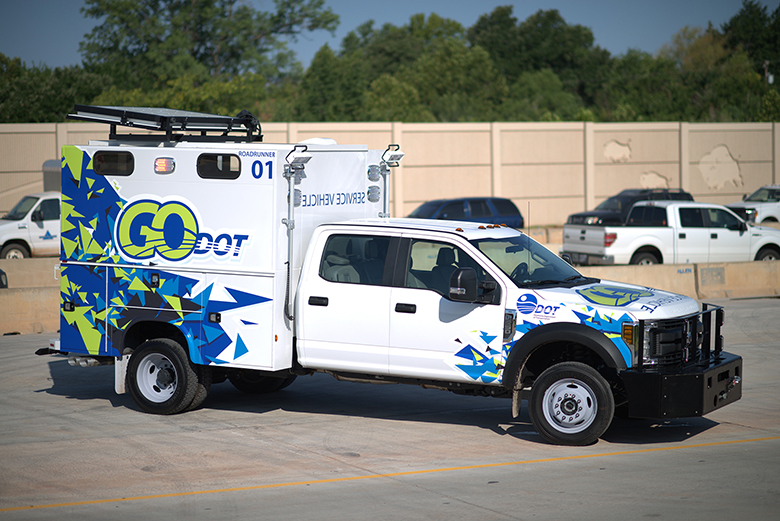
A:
[(37, 216), (463, 285), (567, 258)]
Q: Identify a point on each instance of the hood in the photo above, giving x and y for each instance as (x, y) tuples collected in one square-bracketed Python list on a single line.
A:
[(616, 298)]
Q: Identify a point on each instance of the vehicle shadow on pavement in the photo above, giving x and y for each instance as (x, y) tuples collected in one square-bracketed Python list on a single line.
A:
[(322, 394)]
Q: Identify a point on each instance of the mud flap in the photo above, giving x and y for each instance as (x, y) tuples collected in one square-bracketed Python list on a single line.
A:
[(120, 374)]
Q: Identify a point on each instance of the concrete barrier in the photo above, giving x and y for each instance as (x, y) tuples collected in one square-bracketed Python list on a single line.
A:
[(677, 278), (32, 273), (29, 310), (738, 279)]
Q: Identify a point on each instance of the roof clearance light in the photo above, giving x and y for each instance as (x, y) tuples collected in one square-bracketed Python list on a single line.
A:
[(164, 165)]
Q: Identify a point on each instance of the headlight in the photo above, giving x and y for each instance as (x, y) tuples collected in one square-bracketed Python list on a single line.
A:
[(750, 215)]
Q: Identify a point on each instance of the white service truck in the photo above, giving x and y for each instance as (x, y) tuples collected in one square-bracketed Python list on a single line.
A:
[(191, 259), (32, 227), (672, 232)]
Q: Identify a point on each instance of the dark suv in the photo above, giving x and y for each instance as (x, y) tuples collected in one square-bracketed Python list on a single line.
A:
[(613, 211), (490, 210)]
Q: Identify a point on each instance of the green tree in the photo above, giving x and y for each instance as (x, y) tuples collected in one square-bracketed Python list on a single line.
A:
[(499, 35), (148, 43), (722, 83), (41, 94), (457, 82), (539, 96), (753, 30), (391, 99), (770, 107)]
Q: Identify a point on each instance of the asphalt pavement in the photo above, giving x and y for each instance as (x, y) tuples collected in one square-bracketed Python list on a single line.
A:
[(70, 448)]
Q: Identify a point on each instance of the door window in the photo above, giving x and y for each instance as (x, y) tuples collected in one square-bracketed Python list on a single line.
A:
[(722, 219), (50, 209), (355, 259)]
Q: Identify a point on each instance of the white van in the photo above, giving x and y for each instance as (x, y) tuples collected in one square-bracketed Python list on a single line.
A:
[(32, 227)]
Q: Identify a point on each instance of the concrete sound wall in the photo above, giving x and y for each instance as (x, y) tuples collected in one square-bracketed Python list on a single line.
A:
[(549, 170)]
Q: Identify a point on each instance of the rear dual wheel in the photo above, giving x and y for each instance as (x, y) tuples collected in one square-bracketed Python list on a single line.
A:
[(162, 380)]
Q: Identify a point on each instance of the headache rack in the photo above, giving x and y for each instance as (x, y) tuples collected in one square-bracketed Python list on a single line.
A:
[(176, 125)]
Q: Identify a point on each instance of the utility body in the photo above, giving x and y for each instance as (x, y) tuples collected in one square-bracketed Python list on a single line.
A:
[(671, 232), (186, 263)]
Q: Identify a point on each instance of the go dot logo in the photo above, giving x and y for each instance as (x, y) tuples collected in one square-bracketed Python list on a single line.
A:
[(526, 304), (146, 228)]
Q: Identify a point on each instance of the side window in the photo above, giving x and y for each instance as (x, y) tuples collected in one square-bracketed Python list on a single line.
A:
[(431, 264), (479, 208), (453, 210), (219, 166), (355, 259), (647, 216), (112, 162), (505, 207), (50, 209), (721, 219), (691, 218)]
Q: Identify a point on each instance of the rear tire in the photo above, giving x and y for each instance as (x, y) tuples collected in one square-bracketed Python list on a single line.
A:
[(571, 404), (203, 386), (161, 378)]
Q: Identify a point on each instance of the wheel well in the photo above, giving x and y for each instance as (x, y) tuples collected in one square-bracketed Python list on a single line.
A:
[(769, 220), (20, 242), (556, 352), (140, 332), (768, 247), (652, 250)]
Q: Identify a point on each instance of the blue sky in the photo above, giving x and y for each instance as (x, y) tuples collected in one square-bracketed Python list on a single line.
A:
[(48, 32)]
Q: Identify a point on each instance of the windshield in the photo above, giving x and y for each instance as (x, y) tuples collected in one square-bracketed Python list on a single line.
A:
[(615, 203), (528, 263), (425, 211), (764, 195), (20, 210)]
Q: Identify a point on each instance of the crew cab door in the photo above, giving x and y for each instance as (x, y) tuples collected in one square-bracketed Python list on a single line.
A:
[(692, 239), (432, 336), (343, 318)]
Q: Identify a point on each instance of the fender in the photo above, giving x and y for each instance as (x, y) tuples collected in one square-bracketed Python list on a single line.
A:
[(557, 332)]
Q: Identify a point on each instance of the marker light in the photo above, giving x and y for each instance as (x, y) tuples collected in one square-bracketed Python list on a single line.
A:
[(164, 165), (374, 194), (374, 173)]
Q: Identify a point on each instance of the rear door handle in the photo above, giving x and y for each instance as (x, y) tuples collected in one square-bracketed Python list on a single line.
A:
[(318, 301), (713, 236), (681, 236), (405, 308)]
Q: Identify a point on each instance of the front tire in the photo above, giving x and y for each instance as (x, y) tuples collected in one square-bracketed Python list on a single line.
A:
[(15, 251), (768, 254), (571, 404), (161, 378)]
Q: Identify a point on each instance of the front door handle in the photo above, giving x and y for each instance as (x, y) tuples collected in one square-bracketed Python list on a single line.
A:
[(405, 308), (318, 301), (713, 236)]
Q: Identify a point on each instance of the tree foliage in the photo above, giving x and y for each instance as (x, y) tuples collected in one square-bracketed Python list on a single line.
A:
[(223, 56), (148, 43)]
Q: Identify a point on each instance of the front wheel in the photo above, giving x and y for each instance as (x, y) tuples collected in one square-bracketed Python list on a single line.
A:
[(571, 404), (15, 251), (768, 254), (160, 377)]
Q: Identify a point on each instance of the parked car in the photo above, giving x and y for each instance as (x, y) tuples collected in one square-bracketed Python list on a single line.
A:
[(32, 227), (762, 206), (614, 210), (490, 210)]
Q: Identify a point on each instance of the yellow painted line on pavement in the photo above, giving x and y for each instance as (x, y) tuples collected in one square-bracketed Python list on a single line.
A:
[(390, 475)]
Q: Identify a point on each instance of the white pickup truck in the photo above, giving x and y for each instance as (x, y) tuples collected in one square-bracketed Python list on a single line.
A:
[(672, 232), (189, 260)]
